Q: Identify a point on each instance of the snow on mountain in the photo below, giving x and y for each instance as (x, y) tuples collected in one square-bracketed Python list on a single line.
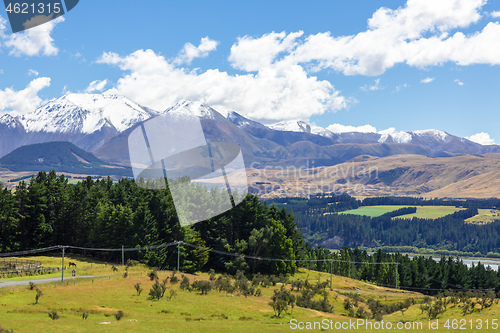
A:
[(242, 122), (9, 121), (192, 108), (300, 126), (391, 135), (85, 113)]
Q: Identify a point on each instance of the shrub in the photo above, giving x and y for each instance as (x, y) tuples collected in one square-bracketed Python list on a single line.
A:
[(54, 315), (281, 300), (131, 262), (173, 293), (119, 315), (114, 268), (4, 330), (156, 291), (125, 275), (153, 275), (38, 295), (184, 283), (31, 286), (138, 288), (173, 278), (85, 315), (258, 292), (212, 274), (202, 286)]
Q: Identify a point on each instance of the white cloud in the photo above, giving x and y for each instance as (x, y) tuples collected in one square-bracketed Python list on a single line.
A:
[(460, 83), (481, 138), (190, 52), (495, 14), (276, 92), (376, 86), (427, 80), (254, 54), (96, 85), (338, 128), (25, 100), (401, 86), (418, 34), (33, 72), (34, 41)]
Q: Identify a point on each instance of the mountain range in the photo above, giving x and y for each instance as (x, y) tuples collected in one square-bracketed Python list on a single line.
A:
[(101, 123)]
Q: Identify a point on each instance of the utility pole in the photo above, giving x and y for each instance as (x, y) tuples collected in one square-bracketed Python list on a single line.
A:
[(331, 274), (62, 268)]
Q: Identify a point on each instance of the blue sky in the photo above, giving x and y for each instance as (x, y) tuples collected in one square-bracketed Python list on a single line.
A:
[(388, 64)]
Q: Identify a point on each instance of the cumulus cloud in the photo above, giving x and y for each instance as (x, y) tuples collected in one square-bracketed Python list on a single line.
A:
[(96, 86), (276, 92), (495, 14), (481, 138), (338, 128), (278, 79), (427, 80), (189, 52), (35, 41), (33, 72), (374, 87), (418, 34), (460, 83), (25, 100)]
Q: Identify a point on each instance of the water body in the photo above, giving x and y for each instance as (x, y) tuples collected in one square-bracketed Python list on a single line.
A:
[(493, 263)]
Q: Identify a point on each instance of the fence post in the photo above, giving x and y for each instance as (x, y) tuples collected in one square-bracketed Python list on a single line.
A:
[(62, 270)]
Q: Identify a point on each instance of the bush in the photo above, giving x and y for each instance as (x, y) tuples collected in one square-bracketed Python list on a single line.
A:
[(85, 315), (258, 292), (114, 268), (202, 286), (153, 275), (119, 315), (138, 288), (4, 330), (184, 283), (281, 301), (31, 286), (54, 315), (156, 291), (38, 295), (212, 274), (131, 262), (173, 278)]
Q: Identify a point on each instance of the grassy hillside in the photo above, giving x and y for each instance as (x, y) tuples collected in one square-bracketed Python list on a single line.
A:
[(58, 156), (188, 311)]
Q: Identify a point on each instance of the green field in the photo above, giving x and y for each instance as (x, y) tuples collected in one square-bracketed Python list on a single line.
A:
[(485, 216), (424, 212), (188, 311)]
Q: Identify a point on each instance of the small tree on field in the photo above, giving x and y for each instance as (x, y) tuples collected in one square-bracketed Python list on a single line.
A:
[(54, 315), (119, 315), (156, 291), (138, 288), (38, 295), (281, 300), (153, 275)]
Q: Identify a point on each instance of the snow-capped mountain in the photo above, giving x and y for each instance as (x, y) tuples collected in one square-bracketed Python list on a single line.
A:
[(192, 108), (87, 120), (85, 113), (301, 126)]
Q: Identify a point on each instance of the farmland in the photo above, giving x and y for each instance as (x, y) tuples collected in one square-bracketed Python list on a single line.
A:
[(187, 311), (427, 212)]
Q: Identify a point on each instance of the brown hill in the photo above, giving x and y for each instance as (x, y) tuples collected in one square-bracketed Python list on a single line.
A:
[(464, 176)]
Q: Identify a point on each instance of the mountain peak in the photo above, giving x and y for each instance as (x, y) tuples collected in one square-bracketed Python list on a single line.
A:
[(300, 126), (192, 108)]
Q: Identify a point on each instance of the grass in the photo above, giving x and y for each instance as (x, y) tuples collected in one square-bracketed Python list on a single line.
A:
[(485, 216), (186, 312), (373, 211), (423, 212)]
